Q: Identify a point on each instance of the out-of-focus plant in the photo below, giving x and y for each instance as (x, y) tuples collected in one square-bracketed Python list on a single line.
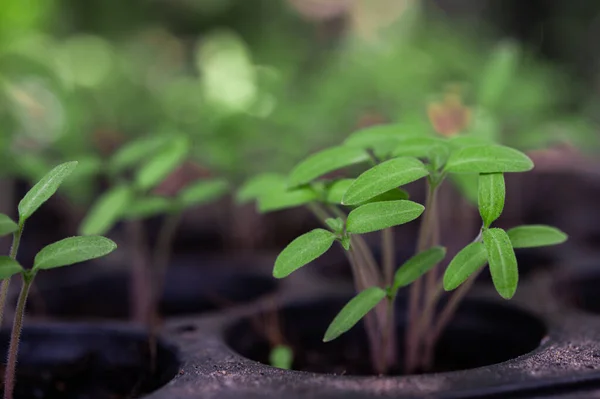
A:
[(135, 172)]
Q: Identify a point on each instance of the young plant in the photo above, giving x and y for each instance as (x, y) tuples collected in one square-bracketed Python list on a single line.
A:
[(149, 162), (62, 253), (375, 202)]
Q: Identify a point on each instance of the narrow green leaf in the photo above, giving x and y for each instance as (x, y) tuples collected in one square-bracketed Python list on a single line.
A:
[(72, 250), (162, 164), (9, 267), (492, 192), (259, 185), (147, 207), (381, 215), (276, 201), (418, 265), (324, 162), (281, 357), (384, 177), (470, 259), (202, 192), (337, 224), (418, 147), (488, 159), (503, 262), (535, 236), (7, 226), (302, 251), (44, 189), (355, 309), (137, 151), (106, 211)]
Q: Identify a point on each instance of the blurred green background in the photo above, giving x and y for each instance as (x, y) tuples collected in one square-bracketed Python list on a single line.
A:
[(256, 85)]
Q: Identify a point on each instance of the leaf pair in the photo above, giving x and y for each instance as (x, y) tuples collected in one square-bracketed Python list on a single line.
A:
[(497, 249)]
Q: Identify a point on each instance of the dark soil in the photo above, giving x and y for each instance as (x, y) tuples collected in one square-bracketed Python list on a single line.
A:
[(482, 333), (88, 363)]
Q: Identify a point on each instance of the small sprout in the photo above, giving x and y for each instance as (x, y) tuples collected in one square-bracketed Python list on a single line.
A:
[(345, 241), (282, 357), (158, 167)]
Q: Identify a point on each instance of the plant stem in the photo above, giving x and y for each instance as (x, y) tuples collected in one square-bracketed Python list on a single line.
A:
[(11, 363), (389, 257), (140, 282), (14, 250), (374, 338), (412, 339), (162, 255), (444, 318)]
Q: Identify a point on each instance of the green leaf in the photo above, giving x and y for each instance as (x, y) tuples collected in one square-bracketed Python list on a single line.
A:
[(281, 357), (381, 215), (418, 265), (395, 194), (302, 251), (418, 147), (162, 164), (535, 236), (336, 190), (488, 159), (44, 189), (135, 152), (337, 224), (72, 250), (202, 192), (7, 226), (384, 177), (259, 185), (276, 201), (106, 211), (503, 262), (467, 185), (9, 267), (147, 207), (324, 162), (355, 309), (470, 259), (491, 196)]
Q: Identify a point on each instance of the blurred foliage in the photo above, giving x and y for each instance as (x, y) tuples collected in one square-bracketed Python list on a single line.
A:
[(258, 84)]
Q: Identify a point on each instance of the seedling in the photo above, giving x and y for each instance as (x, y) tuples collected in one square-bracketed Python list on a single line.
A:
[(136, 169), (375, 202), (61, 253)]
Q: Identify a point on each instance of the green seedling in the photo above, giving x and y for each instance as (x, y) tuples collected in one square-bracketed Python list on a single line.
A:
[(136, 169), (392, 156), (61, 253)]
